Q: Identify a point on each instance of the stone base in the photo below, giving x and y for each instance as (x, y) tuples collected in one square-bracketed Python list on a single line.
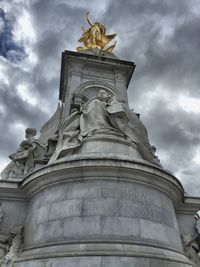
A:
[(102, 212), (109, 144), (101, 143), (102, 255), (102, 261)]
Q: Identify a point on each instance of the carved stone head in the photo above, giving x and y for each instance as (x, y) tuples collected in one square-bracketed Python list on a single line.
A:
[(25, 144), (30, 132), (102, 95)]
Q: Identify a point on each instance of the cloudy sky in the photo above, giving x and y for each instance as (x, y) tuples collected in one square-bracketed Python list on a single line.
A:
[(161, 37)]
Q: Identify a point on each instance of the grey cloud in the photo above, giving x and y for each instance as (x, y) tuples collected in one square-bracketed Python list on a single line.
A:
[(171, 63)]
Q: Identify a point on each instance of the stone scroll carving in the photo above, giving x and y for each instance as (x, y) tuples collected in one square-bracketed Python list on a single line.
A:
[(103, 112)]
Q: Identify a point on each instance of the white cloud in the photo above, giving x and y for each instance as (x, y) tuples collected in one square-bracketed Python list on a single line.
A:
[(24, 34), (25, 94), (91, 7), (23, 31), (196, 158), (2, 110), (2, 25), (189, 104), (3, 78), (142, 31), (3, 163)]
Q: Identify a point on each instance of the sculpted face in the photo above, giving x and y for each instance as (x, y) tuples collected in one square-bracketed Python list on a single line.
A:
[(30, 133), (102, 95)]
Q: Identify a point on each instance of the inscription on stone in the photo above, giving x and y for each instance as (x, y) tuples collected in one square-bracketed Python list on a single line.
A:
[(105, 207)]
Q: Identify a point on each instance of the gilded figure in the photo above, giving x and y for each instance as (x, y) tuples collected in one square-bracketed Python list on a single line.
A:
[(95, 37)]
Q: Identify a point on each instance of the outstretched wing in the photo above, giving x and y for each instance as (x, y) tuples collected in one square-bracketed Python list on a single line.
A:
[(110, 48), (85, 36), (107, 38), (51, 126)]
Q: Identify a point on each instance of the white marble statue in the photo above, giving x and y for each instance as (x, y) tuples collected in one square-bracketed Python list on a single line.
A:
[(191, 244), (107, 113), (34, 151), (23, 160), (14, 246), (10, 246), (190, 248)]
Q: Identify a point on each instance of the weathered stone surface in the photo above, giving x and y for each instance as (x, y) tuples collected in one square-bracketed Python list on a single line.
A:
[(102, 210), (48, 231), (78, 262), (106, 205), (101, 262), (93, 71), (125, 262), (15, 213), (117, 227), (85, 227), (164, 263), (120, 128), (34, 263)]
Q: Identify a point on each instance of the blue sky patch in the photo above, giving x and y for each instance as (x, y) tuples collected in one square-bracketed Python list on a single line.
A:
[(8, 48)]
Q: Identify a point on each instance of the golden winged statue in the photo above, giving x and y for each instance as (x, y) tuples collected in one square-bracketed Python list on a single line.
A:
[(95, 37)]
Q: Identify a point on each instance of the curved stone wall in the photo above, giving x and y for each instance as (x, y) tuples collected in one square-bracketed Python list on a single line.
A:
[(106, 210), (98, 261), (93, 208)]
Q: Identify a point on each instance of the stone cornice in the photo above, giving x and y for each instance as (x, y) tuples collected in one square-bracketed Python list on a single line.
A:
[(114, 64), (91, 167)]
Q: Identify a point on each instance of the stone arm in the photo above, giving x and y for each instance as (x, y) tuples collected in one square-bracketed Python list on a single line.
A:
[(190, 242), (12, 156), (76, 108)]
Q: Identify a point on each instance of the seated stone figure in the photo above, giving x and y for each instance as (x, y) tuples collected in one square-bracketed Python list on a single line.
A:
[(102, 113), (24, 159), (191, 243)]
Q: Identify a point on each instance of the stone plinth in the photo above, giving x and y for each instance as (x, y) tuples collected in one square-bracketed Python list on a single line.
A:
[(105, 211), (102, 200), (108, 144), (84, 71)]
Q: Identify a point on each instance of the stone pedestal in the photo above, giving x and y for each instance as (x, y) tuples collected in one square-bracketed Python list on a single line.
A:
[(100, 203), (113, 144), (86, 74), (102, 211)]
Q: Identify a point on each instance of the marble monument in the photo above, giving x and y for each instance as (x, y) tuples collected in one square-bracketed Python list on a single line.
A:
[(89, 191)]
